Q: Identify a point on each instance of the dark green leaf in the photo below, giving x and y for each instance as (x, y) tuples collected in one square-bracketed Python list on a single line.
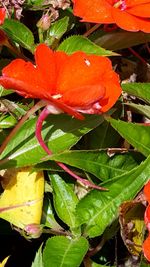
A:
[(137, 135), (116, 40), (64, 252), (78, 42), (97, 210), (104, 136)]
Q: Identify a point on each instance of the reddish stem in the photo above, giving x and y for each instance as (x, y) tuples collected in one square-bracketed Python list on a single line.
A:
[(52, 109), (137, 55), (147, 46)]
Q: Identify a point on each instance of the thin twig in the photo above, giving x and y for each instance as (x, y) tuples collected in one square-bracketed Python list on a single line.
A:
[(87, 262), (137, 55), (93, 251), (147, 46), (91, 30)]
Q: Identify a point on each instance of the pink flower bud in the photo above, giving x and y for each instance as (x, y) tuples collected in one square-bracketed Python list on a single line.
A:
[(33, 230), (44, 23)]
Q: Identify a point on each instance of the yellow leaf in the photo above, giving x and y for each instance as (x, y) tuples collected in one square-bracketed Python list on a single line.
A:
[(2, 264), (22, 200)]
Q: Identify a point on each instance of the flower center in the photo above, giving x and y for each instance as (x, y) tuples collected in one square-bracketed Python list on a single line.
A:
[(120, 4), (57, 96)]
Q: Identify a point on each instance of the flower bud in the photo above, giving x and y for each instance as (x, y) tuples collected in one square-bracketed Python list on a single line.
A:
[(33, 230), (45, 22)]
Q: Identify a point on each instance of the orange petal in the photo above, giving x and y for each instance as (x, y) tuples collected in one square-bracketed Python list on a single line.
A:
[(98, 11), (49, 63), (83, 96), (24, 77), (80, 73), (131, 3), (111, 2), (147, 191), (144, 25), (113, 91), (24, 88), (84, 79), (130, 22), (45, 62), (142, 10), (80, 70), (60, 58), (147, 217), (125, 20), (2, 15), (146, 248)]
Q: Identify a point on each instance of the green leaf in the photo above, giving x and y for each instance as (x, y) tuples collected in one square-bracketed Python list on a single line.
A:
[(64, 252), (19, 33), (65, 200), (98, 162), (60, 132), (48, 218), (117, 40), (144, 263), (140, 90), (78, 42), (7, 122), (97, 210), (141, 109), (38, 261), (4, 92), (34, 4), (57, 30), (137, 135), (94, 264)]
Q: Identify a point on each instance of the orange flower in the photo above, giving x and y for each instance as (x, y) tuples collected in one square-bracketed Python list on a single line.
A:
[(147, 211), (2, 15), (3, 37), (147, 217), (85, 83), (147, 191), (130, 15), (146, 248), (146, 244)]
